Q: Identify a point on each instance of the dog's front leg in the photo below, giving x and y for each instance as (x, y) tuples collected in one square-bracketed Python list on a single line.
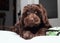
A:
[(41, 32), (27, 35)]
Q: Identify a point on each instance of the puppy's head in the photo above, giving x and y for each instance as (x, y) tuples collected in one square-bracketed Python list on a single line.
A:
[(34, 15)]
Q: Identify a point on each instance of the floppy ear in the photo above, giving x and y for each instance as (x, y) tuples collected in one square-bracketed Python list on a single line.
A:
[(44, 16), (18, 25), (26, 8), (19, 22)]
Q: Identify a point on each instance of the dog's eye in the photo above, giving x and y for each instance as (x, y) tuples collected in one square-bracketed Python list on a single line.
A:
[(28, 12), (35, 11)]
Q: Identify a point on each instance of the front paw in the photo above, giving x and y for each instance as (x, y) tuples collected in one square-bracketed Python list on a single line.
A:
[(27, 35)]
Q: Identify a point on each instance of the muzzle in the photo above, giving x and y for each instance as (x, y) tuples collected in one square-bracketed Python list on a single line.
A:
[(31, 20)]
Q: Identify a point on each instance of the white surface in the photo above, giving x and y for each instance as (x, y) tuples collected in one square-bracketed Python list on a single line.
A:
[(11, 37)]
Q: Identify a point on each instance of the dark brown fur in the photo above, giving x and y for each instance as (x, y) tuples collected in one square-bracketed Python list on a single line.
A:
[(34, 22), (31, 30)]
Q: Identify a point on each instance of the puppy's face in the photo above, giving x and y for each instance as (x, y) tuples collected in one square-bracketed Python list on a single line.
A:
[(32, 17)]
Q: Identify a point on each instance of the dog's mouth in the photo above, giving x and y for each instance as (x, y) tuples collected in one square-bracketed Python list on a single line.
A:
[(32, 20)]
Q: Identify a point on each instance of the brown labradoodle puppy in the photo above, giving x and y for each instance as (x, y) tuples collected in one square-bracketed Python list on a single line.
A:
[(33, 22)]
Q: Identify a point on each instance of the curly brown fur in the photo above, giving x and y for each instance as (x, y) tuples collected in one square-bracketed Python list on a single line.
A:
[(34, 22)]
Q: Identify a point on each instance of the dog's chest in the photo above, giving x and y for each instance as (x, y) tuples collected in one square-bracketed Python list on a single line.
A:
[(32, 29)]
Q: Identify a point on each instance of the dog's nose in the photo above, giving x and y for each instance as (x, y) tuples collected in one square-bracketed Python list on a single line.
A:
[(32, 19)]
